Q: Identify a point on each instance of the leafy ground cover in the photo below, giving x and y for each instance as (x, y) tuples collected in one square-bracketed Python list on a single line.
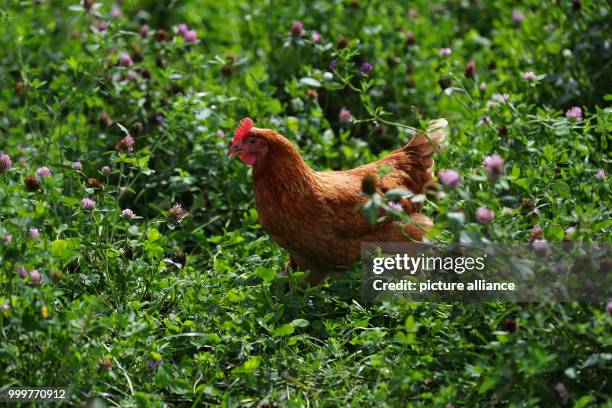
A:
[(134, 271)]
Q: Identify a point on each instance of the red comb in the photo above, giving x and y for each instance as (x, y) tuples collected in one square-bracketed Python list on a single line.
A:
[(243, 129)]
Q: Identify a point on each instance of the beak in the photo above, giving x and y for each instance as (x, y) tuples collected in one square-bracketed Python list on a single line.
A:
[(235, 150)]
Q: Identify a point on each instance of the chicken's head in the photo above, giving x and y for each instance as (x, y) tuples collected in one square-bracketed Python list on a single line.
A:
[(247, 144)]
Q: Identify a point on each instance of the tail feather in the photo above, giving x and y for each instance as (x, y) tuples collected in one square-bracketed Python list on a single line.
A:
[(433, 139), (422, 148)]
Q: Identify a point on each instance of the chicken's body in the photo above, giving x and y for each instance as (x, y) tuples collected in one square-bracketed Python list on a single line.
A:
[(316, 216)]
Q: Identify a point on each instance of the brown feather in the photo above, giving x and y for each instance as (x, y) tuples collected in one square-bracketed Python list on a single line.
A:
[(316, 215)]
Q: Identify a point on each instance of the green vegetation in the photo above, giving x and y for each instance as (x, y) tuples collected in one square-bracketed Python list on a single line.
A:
[(180, 305)]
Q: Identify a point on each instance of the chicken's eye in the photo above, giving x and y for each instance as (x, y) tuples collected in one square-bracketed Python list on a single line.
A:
[(251, 141)]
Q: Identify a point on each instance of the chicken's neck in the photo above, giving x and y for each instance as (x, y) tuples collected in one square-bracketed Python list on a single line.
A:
[(283, 171)]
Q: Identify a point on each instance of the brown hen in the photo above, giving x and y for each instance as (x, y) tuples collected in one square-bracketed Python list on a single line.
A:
[(315, 215)]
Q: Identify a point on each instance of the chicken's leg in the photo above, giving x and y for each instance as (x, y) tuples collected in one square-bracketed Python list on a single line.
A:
[(290, 266)]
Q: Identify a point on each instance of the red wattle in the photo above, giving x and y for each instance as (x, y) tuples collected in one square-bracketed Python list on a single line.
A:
[(248, 159)]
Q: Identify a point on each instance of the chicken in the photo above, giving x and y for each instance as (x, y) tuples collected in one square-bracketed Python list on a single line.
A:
[(315, 215)]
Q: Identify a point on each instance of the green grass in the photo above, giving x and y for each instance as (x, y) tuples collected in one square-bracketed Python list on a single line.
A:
[(150, 312)]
